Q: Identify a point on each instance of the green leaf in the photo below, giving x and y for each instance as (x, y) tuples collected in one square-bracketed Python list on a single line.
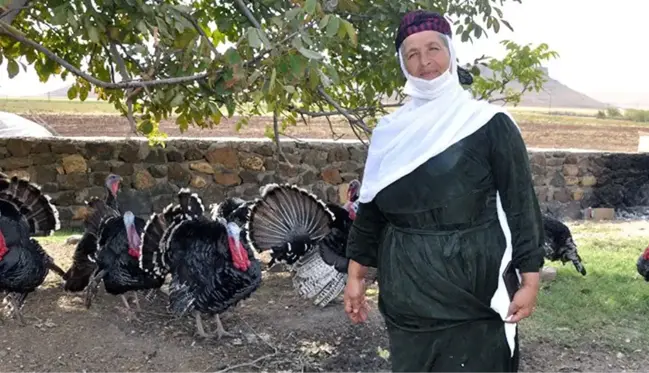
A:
[(145, 126), (177, 100), (310, 54), (273, 77), (253, 37), (83, 92), (310, 6), (93, 34), (12, 68), (73, 92), (351, 32), (289, 89), (332, 26), (324, 21)]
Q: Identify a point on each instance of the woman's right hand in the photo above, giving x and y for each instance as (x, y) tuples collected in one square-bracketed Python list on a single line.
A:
[(355, 302)]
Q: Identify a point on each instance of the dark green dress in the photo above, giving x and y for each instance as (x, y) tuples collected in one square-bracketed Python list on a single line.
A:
[(435, 238)]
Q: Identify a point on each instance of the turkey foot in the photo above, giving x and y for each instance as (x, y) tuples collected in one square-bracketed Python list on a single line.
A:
[(220, 332), (200, 330), (131, 314), (14, 303)]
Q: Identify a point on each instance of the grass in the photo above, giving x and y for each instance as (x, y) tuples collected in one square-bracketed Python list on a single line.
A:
[(536, 115), (609, 306)]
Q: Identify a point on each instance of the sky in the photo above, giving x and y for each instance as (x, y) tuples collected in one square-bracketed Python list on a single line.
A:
[(602, 51)]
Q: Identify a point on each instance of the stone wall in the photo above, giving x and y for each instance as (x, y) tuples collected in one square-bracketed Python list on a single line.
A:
[(72, 170)]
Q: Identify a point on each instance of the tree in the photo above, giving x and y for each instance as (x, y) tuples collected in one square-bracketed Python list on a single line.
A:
[(155, 59)]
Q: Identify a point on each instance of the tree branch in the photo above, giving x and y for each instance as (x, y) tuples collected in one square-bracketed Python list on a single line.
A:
[(19, 36), (343, 111), (13, 10), (121, 67)]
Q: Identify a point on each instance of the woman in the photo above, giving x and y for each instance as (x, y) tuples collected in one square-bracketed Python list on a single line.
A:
[(449, 216)]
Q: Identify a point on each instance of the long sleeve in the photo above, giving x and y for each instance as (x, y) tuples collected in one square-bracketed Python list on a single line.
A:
[(365, 235), (513, 178)]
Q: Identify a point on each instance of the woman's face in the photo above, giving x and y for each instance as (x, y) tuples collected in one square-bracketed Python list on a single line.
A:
[(425, 55)]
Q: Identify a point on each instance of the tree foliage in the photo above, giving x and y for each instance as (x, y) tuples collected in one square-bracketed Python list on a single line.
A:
[(156, 59)]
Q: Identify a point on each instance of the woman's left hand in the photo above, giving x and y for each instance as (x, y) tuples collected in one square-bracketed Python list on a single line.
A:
[(522, 305)]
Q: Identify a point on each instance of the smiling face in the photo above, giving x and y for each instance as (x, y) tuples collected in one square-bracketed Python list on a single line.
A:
[(425, 55)]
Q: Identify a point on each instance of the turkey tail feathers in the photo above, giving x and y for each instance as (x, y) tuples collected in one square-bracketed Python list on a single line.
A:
[(316, 280), (286, 213), (26, 197), (190, 203), (151, 260), (99, 212)]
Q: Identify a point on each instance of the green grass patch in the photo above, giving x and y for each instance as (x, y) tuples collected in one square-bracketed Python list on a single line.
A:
[(609, 306), (521, 114), (56, 106)]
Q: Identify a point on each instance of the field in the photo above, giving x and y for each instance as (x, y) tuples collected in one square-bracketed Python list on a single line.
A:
[(593, 323), (560, 128)]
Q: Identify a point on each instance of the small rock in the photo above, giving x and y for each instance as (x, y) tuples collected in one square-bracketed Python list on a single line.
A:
[(202, 167), (237, 342), (620, 355), (198, 182), (73, 240), (74, 163), (143, 180), (548, 274)]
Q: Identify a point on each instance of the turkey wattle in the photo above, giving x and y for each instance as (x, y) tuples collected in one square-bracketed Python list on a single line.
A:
[(303, 231), (559, 244), (25, 212), (210, 269)]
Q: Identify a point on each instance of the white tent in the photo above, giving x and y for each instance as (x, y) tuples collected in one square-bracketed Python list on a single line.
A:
[(12, 125)]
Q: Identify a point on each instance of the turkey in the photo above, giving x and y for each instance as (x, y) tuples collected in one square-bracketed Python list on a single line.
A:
[(559, 244), (642, 265), (303, 231), (78, 275), (118, 253), (210, 269), (25, 212)]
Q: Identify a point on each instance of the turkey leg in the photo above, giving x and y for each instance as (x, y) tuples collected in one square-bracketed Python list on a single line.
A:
[(199, 325), (220, 332), (91, 289)]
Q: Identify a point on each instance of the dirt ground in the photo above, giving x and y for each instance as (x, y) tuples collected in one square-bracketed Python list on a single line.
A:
[(275, 331), (536, 135)]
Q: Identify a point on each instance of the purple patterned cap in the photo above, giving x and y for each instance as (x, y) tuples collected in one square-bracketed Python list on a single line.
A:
[(423, 20)]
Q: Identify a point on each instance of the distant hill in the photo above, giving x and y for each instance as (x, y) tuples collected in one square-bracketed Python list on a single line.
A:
[(63, 93), (554, 95)]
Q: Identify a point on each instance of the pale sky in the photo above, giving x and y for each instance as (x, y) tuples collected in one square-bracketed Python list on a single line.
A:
[(602, 48)]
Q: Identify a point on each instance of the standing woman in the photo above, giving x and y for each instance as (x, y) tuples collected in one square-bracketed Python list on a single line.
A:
[(448, 215)]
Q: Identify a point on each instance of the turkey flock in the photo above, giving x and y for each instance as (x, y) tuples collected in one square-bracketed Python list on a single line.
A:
[(204, 262)]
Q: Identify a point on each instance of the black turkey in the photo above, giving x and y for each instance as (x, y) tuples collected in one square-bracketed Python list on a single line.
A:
[(559, 244), (78, 275), (310, 235), (25, 212), (210, 269), (118, 254)]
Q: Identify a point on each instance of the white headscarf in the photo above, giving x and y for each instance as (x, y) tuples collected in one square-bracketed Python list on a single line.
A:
[(440, 114)]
